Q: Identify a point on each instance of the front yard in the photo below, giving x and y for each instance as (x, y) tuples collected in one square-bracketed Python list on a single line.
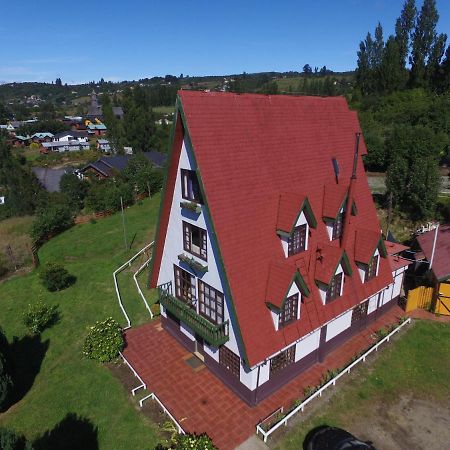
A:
[(400, 402), (64, 393)]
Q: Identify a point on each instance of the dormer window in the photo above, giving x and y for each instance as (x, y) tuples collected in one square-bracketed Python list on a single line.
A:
[(189, 186), (289, 312), (297, 240), (338, 226), (371, 270), (335, 288)]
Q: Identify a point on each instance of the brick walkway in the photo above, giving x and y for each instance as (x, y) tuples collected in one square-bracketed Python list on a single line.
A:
[(426, 315), (201, 402)]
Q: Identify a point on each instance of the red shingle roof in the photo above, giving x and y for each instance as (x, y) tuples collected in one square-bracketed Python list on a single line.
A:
[(441, 260), (288, 210), (334, 196), (394, 247), (250, 149), (365, 244)]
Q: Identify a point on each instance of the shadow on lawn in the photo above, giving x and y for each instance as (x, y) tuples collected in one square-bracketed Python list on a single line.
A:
[(72, 433), (27, 354)]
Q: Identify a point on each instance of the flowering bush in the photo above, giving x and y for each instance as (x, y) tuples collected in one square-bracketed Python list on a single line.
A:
[(39, 316), (193, 442), (104, 341)]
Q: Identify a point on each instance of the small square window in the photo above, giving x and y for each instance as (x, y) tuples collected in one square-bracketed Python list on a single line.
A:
[(371, 270), (297, 241), (334, 289), (189, 186), (289, 311)]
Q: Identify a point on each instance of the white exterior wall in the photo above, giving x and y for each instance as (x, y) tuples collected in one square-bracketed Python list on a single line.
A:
[(307, 345), (373, 302), (173, 247), (338, 325)]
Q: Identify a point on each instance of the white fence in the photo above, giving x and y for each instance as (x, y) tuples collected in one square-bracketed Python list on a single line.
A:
[(119, 298), (332, 382), (153, 396), (139, 288)]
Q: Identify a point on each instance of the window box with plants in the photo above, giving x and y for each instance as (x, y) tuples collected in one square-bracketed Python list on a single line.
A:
[(191, 206), (192, 263)]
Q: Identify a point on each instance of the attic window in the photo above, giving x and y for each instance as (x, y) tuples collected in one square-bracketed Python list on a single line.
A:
[(334, 289), (371, 270), (297, 240), (338, 226), (289, 313), (190, 187)]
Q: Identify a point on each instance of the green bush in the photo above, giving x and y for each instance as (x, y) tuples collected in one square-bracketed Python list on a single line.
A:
[(55, 278), (104, 341), (39, 317), (193, 442), (50, 222)]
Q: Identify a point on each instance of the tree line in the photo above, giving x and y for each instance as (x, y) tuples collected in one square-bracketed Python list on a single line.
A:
[(401, 92)]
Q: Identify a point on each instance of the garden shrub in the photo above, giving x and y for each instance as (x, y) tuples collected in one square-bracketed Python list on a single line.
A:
[(55, 278), (104, 341), (193, 442), (39, 316), (155, 309)]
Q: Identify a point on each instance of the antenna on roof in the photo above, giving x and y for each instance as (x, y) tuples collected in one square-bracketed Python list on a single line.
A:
[(355, 159), (336, 169)]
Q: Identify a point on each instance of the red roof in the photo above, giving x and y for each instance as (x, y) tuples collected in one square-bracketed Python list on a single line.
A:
[(327, 258), (394, 247), (334, 196), (249, 149), (288, 210), (441, 260), (366, 244), (397, 262), (280, 277)]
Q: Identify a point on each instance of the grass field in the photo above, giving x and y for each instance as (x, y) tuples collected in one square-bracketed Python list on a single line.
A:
[(14, 233), (56, 379), (416, 366), (163, 109)]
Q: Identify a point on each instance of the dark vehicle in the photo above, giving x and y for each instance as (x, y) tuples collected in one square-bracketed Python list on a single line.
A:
[(330, 438)]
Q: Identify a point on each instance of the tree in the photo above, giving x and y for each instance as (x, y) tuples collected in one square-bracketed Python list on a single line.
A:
[(75, 190), (404, 28), (307, 70), (51, 221), (9, 440), (58, 82), (423, 39), (391, 72)]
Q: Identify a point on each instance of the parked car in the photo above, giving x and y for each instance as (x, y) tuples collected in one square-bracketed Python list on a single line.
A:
[(331, 438)]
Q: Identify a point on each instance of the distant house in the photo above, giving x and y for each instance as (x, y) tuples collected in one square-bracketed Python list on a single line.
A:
[(107, 167), (438, 274), (97, 129), (74, 135), (103, 145), (20, 141), (75, 122), (64, 146), (39, 138)]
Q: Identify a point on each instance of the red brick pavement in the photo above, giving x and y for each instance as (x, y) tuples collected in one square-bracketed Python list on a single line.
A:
[(426, 315), (202, 403)]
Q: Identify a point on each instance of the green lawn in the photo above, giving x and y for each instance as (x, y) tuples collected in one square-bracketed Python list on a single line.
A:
[(66, 382), (163, 109), (416, 364)]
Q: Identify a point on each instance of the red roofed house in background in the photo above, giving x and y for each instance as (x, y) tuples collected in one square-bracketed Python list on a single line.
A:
[(268, 252)]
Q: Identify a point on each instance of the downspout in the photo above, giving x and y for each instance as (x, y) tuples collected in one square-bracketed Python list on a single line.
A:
[(434, 245)]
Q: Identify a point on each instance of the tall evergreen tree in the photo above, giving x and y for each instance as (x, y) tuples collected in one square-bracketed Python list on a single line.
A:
[(391, 70), (424, 38), (404, 28)]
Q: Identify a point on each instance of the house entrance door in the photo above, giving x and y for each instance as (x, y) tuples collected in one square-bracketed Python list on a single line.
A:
[(198, 347)]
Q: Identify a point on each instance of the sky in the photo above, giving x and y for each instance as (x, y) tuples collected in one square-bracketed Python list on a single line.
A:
[(118, 40)]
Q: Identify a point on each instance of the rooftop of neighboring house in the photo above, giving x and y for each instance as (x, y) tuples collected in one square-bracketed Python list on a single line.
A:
[(63, 144), (96, 126), (106, 165), (50, 178), (117, 111), (261, 161), (441, 259), (42, 135), (73, 133)]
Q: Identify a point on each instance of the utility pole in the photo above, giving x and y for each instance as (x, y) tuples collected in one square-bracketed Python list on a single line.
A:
[(123, 224), (434, 244), (149, 192)]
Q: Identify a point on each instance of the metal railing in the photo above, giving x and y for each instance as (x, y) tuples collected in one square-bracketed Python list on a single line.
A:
[(214, 334), (116, 285), (153, 396), (332, 382), (139, 287)]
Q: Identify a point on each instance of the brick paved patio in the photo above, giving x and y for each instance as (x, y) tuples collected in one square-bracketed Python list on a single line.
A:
[(201, 402)]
